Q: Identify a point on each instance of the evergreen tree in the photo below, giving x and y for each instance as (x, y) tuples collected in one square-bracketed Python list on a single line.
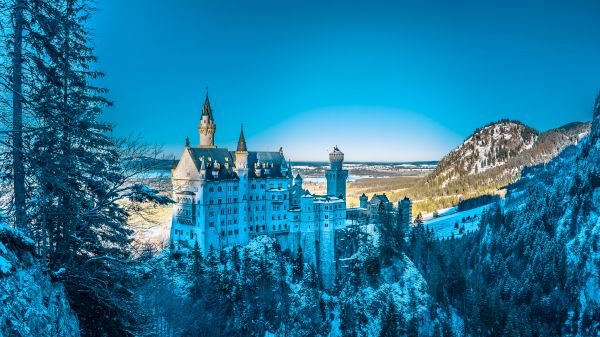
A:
[(390, 319), (298, 266)]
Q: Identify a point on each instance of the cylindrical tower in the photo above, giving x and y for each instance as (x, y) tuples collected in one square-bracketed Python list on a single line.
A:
[(336, 175), (207, 126)]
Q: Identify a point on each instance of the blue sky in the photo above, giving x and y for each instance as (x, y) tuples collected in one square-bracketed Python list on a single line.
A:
[(385, 81)]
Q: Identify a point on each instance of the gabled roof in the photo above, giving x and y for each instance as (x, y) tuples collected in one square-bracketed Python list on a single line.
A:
[(380, 198), (219, 158)]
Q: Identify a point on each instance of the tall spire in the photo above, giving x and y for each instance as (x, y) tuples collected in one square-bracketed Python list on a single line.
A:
[(207, 126), (242, 141), (206, 109)]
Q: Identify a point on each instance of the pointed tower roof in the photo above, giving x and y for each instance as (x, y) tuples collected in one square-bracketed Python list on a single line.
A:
[(206, 109), (241, 147)]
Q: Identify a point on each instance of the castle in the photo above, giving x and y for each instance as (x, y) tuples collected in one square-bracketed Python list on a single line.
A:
[(225, 198)]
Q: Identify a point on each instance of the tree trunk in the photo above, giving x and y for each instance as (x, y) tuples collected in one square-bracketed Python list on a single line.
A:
[(17, 120)]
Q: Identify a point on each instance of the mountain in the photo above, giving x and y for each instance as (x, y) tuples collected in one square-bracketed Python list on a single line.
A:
[(501, 149), (489, 159), (534, 266)]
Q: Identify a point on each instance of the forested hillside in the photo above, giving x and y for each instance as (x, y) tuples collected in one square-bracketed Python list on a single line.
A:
[(533, 268), (490, 158)]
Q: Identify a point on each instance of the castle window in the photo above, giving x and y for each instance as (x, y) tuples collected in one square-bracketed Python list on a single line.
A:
[(279, 186), (191, 235), (326, 224), (284, 216), (222, 211), (211, 189), (219, 189), (219, 200), (273, 227), (222, 233), (279, 217), (251, 228), (326, 216), (285, 226), (262, 186), (272, 217), (211, 224), (273, 197), (229, 232), (263, 227), (211, 201), (253, 186), (279, 226), (235, 231), (285, 197), (270, 186)]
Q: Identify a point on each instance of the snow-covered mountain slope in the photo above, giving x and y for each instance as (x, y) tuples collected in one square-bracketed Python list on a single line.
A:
[(499, 150), (30, 303), (537, 256)]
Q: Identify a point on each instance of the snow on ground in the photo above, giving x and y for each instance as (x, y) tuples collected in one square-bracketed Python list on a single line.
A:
[(444, 224)]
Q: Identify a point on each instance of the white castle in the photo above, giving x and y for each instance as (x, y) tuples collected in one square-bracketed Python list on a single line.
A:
[(225, 198)]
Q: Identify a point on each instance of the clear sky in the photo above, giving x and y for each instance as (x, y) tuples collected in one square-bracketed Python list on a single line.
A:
[(385, 81)]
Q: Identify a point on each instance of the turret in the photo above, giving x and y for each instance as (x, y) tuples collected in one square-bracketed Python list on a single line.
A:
[(207, 126), (336, 159), (363, 200), (241, 153), (298, 180), (336, 175)]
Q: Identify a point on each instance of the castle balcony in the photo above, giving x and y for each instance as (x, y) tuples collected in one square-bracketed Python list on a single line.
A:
[(184, 220)]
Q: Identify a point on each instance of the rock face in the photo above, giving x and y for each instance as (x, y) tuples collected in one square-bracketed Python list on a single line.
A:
[(30, 303), (502, 149)]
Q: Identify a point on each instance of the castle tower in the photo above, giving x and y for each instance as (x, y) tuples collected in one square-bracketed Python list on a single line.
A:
[(207, 126), (241, 168), (405, 212), (241, 153), (363, 200), (336, 175)]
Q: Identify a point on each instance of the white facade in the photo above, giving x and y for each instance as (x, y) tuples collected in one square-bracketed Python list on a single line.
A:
[(224, 198)]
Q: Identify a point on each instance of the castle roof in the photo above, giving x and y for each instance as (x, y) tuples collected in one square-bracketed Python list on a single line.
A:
[(206, 109), (380, 198), (223, 160), (241, 146), (298, 176)]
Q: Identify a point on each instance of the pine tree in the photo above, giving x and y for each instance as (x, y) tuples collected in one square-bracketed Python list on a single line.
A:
[(18, 166), (390, 319), (80, 174), (196, 273), (298, 266)]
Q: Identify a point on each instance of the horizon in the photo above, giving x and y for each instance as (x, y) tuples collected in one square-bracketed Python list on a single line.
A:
[(411, 79)]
